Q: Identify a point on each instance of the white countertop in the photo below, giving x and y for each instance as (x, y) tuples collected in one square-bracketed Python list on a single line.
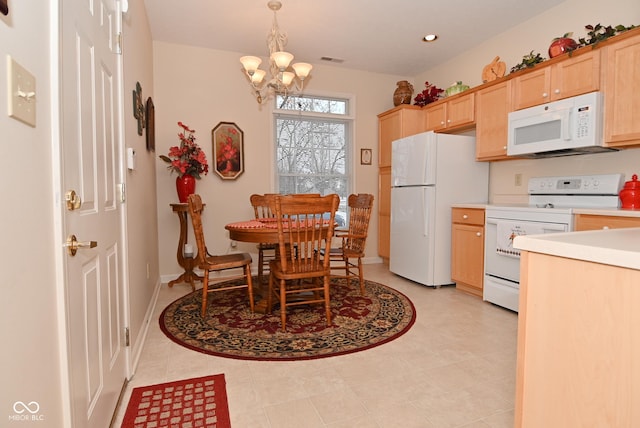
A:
[(608, 211), (616, 247)]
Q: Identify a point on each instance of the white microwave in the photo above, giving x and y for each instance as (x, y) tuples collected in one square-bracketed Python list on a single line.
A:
[(560, 128)]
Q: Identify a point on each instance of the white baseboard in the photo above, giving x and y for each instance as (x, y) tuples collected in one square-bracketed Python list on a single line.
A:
[(136, 349)]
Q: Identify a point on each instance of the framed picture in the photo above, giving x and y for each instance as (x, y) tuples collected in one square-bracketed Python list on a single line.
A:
[(150, 117), (365, 156), (228, 150)]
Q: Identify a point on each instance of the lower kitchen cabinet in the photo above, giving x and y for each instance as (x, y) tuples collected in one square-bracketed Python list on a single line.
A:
[(467, 249), (594, 222), (578, 361)]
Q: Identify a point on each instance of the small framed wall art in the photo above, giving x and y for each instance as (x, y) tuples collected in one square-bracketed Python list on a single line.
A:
[(150, 118), (365, 156), (228, 150)]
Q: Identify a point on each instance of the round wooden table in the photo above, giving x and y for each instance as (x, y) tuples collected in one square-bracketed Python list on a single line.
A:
[(258, 231)]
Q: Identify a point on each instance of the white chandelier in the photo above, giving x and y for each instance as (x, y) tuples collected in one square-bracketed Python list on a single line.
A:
[(282, 81)]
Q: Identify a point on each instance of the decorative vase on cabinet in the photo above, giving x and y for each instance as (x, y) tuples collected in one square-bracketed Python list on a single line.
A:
[(185, 186), (403, 93)]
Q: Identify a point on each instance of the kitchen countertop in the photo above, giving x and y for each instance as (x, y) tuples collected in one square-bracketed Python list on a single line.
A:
[(479, 206), (616, 247), (592, 211), (610, 211)]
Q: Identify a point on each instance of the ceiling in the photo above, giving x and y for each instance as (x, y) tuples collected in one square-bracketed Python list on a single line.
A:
[(374, 35)]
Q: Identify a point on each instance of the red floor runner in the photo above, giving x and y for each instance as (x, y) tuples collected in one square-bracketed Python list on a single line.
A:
[(197, 402)]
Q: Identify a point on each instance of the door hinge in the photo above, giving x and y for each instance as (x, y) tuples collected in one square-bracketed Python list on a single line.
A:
[(119, 43), (127, 341), (123, 192)]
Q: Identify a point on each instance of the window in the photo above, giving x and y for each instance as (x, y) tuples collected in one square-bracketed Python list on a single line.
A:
[(313, 147)]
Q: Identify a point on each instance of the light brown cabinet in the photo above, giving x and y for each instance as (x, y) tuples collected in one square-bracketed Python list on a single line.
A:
[(467, 249), (493, 105), (622, 103), (578, 361), (398, 122), (595, 222), (561, 78), (452, 114)]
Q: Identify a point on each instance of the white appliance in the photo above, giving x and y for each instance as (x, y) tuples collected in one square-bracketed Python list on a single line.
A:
[(429, 173), (560, 128), (550, 210)]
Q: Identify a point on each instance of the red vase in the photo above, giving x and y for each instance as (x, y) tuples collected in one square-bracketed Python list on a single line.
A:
[(185, 185)]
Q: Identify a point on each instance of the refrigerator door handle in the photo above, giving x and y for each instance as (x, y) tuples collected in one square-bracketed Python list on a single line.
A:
[(425, 213)]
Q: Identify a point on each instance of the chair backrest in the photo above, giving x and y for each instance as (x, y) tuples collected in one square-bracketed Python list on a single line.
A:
[(195, 210), (360, 207), (262, 205), (305, 228)]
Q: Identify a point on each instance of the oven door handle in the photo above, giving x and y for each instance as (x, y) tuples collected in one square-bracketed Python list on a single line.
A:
[(551, 227)]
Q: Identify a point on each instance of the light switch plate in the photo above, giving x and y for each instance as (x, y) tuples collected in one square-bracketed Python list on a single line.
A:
[(21, 91)]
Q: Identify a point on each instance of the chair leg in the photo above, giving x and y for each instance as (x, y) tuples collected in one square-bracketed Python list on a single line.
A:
[(361, 274), (327, 299), (205, 288), (247, 273), (283, 304)]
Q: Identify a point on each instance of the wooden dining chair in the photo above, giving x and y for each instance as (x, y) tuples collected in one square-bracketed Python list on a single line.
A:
[(302, 276), (262, 210), (346, 260), (214, 263)]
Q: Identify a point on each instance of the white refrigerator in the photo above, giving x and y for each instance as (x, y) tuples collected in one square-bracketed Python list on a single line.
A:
[(429, 173)]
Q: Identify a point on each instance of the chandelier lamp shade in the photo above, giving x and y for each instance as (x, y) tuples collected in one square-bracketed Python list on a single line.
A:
[(282, 80)]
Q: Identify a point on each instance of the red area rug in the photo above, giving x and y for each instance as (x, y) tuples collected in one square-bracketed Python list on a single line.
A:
[(197, 402), (231, 330)]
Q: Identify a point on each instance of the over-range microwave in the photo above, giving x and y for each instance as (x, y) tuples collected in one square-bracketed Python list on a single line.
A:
[(560, 128)]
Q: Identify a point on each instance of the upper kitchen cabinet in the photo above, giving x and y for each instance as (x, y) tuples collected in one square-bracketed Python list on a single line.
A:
[(493, 105), (621, 89), (393, 124), (565, 76), (401, 121), (451, 114)]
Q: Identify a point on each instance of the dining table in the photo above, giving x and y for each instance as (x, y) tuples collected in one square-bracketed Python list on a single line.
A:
[(261, 230)]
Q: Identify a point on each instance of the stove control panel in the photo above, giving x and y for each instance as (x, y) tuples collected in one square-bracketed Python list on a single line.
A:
[(603, 184)]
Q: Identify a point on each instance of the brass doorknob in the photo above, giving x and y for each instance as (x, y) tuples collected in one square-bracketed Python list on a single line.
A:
[(73, 244)]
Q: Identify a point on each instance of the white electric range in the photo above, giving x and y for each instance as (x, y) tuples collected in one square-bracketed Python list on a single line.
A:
[(550, 210)]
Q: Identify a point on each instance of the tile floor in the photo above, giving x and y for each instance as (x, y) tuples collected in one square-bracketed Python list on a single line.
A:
[(454, 368)]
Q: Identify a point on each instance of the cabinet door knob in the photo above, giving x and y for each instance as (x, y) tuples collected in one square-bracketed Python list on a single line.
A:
[(478, 234), (557, 91), (605, 227), (545, 95), (464, 216)]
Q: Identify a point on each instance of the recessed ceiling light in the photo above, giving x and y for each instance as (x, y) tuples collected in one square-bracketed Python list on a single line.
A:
[(429, 38)]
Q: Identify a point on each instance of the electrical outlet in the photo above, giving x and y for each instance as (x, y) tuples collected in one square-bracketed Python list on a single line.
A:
[(518, 180), (233, 244), (21, 93)]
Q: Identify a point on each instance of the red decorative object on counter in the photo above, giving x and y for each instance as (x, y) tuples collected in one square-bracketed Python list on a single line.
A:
[(630, 194)]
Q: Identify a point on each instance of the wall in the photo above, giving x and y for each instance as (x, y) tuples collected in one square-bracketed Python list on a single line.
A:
[(30, 360), (202, 87), (141, 205), (536, 34)]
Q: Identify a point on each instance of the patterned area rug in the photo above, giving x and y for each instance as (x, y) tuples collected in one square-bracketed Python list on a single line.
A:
[(231, 330), (197, 402)]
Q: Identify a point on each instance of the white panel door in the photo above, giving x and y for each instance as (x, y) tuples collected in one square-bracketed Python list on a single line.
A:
[(91, 161)]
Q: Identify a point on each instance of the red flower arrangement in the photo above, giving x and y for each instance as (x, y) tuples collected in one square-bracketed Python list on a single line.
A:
[(187, 158), (429, 95)]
